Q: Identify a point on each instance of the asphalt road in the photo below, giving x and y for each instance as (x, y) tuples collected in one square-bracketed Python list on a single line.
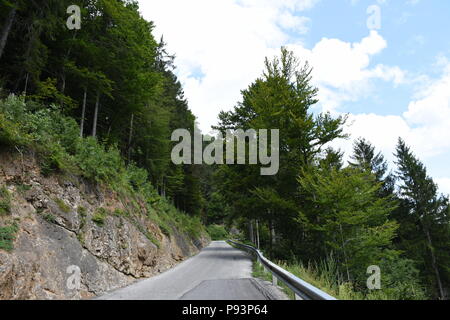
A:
[(218, 272)]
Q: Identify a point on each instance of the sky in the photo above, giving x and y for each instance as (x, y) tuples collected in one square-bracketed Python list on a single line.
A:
[(385, 63)]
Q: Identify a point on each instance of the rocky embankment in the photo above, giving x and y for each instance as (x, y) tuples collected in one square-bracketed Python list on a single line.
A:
[(65, 226)]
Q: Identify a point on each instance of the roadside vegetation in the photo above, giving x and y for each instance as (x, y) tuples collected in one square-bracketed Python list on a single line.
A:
[(325, 276), (8, 235), (60, 149), (218, 232), (100, 103)]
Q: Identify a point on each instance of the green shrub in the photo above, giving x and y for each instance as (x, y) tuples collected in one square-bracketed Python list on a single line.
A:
[(165, 229), (55, 138), (7, 236), (22, 188), (99, 216), (62, 205), (50, 218), (5, 201), (217, 232), (82, 211), (97, 163), (153, 239), (137, 177), (121, 213), (83, 214)]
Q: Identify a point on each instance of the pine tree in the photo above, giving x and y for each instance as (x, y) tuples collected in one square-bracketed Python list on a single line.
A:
[(428, 214), (365, 158)]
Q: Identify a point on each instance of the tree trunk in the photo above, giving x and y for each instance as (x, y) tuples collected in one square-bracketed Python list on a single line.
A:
[(83, 113), (257, 234), (270, 239), (250, 231), (26, 84), (434, 264), (345, 253), (94, 126), (130, 138), (6, 29), (272, 235)]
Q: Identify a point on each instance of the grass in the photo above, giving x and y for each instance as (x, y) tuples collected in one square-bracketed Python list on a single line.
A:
[(82, 211), (121, 213), (258, 272), (323, 276), (50, 218), (99, 216), (22, 188), (7, 236), (5, 202), (147, 234), (169, 219), (62, 205), (152, 239)]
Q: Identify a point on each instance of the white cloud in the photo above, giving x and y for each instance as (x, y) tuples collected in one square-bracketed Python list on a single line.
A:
[(227, 41), (424, 125), (444, 185), (342, 70), (221, 46)]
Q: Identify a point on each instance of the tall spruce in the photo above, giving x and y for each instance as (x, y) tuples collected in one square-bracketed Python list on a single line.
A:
[(427, 215)]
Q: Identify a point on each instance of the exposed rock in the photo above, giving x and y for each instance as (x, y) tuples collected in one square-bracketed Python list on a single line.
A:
[(57, 236)]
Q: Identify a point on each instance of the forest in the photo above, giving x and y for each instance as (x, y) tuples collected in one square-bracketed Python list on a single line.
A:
[(105, 99)]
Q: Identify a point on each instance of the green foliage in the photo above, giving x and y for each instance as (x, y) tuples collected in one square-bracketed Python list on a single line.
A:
[(121, 213), (399, 280), (7, 236), (217, 232), (47, 93), (82, 211), (350, 218), (99, 163), (62, 205), (99, 216), (5, 201), (137, 177), (424, 217), (50, 218), (22, 188), (113, 60), (152, 238)]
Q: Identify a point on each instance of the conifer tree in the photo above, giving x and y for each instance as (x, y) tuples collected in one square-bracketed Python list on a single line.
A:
[(427, 217)]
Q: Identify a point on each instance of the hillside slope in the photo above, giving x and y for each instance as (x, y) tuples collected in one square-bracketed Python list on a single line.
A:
[(52, 225)]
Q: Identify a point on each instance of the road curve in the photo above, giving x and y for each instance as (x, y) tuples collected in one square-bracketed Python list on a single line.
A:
[(218, 272)]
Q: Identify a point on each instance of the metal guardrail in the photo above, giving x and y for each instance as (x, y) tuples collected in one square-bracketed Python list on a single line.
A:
[(302, 289)]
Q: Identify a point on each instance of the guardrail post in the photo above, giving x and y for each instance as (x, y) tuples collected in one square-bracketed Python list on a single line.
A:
[(274, 280)]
